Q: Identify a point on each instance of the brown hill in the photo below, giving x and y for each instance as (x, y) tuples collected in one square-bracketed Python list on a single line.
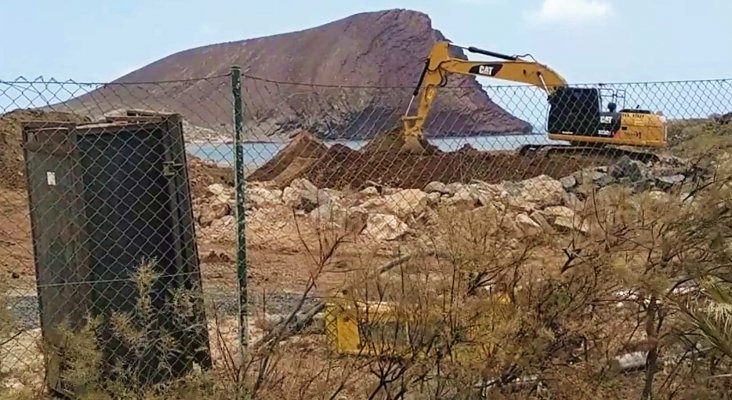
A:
[(384, 48)]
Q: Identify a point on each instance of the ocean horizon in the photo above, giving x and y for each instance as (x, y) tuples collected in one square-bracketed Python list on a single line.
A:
[(257, 153)]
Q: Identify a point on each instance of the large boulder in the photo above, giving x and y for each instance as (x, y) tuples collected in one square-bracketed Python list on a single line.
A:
[(527, 226), (385, 227), (564, 219), (213, 212), (215, 189), (469, 196), (463, 199), (626, 168), (259, 197), (304, 195), (406, 202), (534, 193), (436, 187)]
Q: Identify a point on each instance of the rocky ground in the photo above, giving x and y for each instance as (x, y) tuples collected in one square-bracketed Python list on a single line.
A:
[(285, 225), (379, 220), (291, 219)]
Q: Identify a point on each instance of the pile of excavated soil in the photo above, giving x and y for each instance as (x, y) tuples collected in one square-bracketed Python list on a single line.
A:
[(291, 161), (11, 153), (202, 174), (381, 162)]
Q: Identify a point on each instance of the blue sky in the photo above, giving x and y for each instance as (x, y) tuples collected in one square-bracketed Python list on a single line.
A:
[(586, 40)]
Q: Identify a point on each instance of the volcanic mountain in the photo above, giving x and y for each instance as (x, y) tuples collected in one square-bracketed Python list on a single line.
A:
[(348, 79)]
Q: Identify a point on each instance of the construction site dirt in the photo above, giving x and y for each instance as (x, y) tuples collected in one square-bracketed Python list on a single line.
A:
[(381, 162), (340, 167)]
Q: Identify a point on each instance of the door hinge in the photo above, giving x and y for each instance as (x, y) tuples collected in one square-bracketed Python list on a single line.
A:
[(170, 168)]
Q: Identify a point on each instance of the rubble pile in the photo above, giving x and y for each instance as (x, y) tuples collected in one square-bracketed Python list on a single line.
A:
[(384, 213)]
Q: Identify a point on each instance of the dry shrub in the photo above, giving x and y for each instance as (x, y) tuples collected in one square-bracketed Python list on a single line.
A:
[(490, 309), (698, 138), (633, 283), (147, 341)]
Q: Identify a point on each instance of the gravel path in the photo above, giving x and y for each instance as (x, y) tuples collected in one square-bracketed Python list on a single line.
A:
[(25, 308)]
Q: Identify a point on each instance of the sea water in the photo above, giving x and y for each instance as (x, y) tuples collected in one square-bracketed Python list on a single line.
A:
[(258, 153)]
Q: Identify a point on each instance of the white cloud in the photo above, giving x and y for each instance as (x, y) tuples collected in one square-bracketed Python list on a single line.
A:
[(570, 11)]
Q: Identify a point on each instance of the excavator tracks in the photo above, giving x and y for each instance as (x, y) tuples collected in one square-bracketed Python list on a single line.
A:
[(590, 151)]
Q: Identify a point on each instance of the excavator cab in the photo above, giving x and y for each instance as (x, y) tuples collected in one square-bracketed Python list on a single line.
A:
[(574, 110), (576, 115), (578, 112)]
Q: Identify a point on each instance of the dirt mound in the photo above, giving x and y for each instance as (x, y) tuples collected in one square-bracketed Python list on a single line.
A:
[(382, 162), (355, 169), (11, 153), (303, 145), (202, 174), (392, 142)]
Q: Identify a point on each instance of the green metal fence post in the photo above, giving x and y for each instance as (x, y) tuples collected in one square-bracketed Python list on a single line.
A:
[(241, 249)]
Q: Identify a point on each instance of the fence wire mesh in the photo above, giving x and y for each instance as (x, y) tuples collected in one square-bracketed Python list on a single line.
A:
[(109, 213)]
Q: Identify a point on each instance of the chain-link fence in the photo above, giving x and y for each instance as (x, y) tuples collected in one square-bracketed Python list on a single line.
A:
[(118, 204)]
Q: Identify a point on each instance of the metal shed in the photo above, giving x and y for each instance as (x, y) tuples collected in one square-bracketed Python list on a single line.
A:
[(105, 197)]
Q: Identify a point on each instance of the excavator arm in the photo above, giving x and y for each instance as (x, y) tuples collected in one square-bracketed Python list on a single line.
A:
[(440, 63)]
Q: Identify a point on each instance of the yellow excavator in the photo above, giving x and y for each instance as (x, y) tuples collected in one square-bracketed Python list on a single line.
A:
[(575, 113)]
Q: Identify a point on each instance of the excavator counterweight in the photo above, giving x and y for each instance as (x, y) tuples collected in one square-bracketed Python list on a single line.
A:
[(575, 114)]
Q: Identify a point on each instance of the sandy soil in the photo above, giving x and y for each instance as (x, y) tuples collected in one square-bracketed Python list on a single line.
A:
[(381, 161), (16, 248)]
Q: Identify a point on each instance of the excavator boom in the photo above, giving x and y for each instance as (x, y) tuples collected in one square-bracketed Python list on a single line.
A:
[(629, 127), (512, 69), (440, 63)]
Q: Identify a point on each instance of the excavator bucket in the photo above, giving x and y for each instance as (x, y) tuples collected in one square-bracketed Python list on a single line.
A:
[(399, 141), (414, 145)]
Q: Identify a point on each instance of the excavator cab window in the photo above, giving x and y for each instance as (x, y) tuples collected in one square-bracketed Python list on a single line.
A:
[(575, 111)]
